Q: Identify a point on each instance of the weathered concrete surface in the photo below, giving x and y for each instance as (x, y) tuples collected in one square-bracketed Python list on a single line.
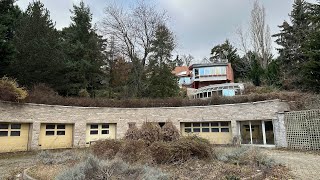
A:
[(36, 114)]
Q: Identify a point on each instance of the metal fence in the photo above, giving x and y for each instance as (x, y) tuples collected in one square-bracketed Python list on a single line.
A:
[(303, 129)]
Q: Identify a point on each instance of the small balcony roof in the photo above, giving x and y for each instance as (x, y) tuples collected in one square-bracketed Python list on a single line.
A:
[(208, 65)]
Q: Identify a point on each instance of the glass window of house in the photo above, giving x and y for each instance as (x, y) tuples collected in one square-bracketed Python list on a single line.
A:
[(224, 124), (207, 71), (201, 72)]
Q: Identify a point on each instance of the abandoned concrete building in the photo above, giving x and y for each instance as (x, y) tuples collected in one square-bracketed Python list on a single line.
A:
[(33, 126), (26, 127)]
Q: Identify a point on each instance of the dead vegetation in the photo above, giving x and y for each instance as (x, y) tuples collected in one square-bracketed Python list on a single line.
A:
[(156, 157), (42, 94)]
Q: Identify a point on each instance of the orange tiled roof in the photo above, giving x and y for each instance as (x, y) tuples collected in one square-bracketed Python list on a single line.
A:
[(180, 69)]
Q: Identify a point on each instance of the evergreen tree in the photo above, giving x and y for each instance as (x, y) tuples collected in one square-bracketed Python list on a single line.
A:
[(9, 16), (256, 71), (272, 74), (162, 46), (39, 58), (162, 83), (311, 49), (291, 38), (227, 51), (83, 48)]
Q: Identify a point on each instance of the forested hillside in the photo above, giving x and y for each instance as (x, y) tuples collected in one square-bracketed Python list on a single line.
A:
[(128, 54)]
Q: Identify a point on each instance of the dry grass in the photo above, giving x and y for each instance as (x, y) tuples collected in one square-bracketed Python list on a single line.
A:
[(47, 172), (192, 168), (199, 169)]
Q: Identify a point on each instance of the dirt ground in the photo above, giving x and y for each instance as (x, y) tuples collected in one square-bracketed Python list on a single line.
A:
[(303, 165), (12, 164)]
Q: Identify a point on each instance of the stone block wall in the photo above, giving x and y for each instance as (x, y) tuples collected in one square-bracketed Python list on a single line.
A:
[(35, 114)]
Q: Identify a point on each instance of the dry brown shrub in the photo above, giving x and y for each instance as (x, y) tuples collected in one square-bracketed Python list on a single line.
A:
[(150, 132), (162, 152), (133, 133), (106, 148), (42, 94), (170, 132), (181, 150), (134, 151)]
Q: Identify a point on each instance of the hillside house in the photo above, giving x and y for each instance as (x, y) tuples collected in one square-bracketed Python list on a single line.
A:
[(211, 73), (184, 76), (207, 80)]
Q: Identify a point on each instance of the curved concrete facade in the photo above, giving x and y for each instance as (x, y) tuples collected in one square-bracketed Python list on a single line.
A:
[(35, 114)]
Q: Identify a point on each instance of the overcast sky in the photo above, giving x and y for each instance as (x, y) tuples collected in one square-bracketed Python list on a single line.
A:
[(197, 24)]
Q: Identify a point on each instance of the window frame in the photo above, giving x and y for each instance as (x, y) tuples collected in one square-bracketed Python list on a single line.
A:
[(9, 129), (102, 128), (58, 128), (207, 127)]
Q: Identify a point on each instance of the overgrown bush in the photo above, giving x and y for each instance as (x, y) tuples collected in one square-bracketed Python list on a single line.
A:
[(84, 93), (43, 94), (93, 168), (106, 148), (134, 151), (10, 90), (170, 132), (49, 158), (150, 132), (133, 133), (181, 150), (297, 100)]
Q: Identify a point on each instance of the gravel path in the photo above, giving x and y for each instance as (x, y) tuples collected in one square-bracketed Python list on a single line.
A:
[(12, 164), (303, 165)]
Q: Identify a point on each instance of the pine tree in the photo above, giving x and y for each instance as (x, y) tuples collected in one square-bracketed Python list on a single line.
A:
[(162, 46), (311, 49), (162, 83), (39, 58), (9, 16), (232, 56), (83, 47), (291, 38)]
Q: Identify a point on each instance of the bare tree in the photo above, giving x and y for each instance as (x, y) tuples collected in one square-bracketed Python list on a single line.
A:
[(244, 47), (133, 30), (256, 39), (260, 34), (187, 59)]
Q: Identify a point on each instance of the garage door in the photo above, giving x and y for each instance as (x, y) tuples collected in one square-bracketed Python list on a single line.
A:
[(55, 136), (215, 132), (97, 132), (14, 137)]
